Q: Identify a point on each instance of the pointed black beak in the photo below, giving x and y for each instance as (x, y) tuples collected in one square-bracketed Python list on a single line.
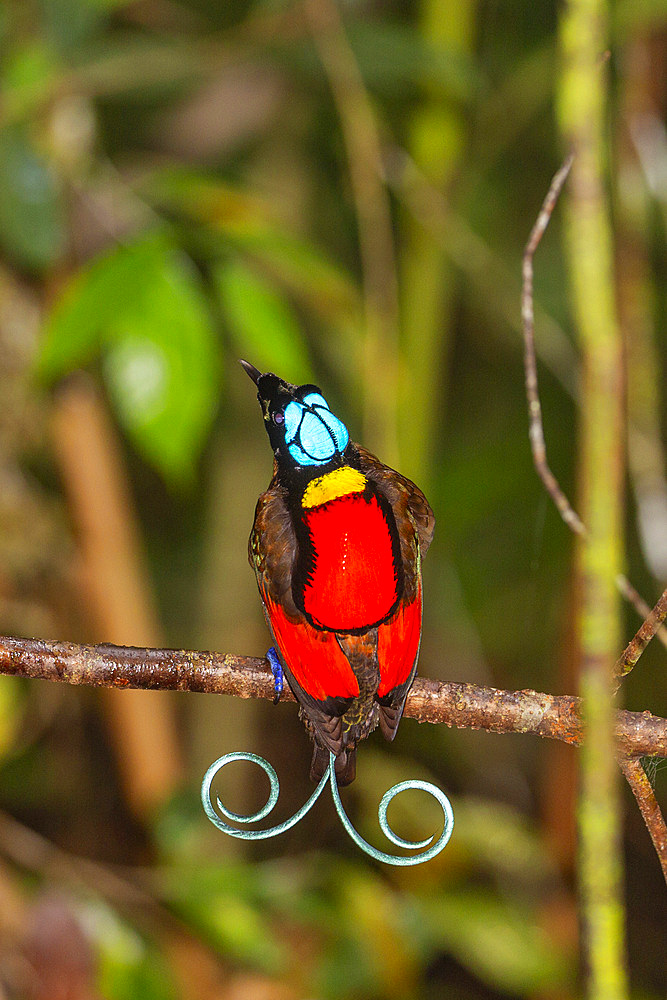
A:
[(253, 372)]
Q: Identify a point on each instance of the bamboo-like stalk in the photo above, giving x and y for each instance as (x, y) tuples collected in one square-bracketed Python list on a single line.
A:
[(589, 246), (115, 590), (427, 278), (359, 127)]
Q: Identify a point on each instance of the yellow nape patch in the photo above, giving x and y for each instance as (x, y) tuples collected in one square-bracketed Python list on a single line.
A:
[(335, 484)]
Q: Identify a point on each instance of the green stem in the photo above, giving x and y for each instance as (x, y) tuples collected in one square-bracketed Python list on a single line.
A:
[(376, 244), (582, 108), (427, 277)]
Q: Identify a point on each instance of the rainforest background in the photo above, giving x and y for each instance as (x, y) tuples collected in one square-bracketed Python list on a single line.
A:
[(340, 193)]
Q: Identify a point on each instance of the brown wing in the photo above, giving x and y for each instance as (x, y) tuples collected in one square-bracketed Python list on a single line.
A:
[(402, 493), (400, 637), (272, 547), (414, 518)]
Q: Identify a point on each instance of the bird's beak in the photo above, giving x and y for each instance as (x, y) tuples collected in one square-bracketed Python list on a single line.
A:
[(253, 372)]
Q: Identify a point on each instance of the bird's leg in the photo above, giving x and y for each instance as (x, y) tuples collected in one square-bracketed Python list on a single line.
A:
[(277, 671)]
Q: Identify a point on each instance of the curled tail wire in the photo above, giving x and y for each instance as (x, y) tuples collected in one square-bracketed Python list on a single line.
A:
[(217, 811)]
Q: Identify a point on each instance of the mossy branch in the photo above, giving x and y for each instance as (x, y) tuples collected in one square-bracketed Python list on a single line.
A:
[(582, 109)]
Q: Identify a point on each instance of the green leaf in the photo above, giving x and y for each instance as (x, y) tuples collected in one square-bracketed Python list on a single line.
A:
[(322, 286), (99, 295), (230, 906), (32, 217), (393, 56), (128, 965), (70, 23), (207, 200), (237, 218), (502, 840), (500, 941), (163, 371), (240, 929), (27, 68), (261, 321), (141, 307)]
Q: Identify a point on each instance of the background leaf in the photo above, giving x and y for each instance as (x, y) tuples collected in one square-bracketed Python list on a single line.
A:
[(261, 321), (143, 309), (177, 191), (32, 216), (501, 942)]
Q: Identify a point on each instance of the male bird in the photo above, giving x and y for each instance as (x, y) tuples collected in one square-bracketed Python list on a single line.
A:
[(336, 547)]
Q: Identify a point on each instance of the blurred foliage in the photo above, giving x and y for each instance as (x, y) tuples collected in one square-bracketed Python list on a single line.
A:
[(175, 193), (141, 305)]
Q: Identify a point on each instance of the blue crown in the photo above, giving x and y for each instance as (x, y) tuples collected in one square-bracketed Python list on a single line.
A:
[(313, 434)]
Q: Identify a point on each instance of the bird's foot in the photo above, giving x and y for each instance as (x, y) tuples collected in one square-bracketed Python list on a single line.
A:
[(277, 671)]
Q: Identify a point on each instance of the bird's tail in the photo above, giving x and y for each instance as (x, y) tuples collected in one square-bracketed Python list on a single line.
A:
[(345, 766)]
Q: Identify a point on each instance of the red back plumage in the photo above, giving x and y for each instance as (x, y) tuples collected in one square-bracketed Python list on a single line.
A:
[(353, 576), (337, 545)]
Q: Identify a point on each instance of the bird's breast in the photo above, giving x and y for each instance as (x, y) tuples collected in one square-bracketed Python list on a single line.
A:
[(349, 573)]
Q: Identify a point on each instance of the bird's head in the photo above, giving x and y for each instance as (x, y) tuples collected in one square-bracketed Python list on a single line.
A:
[(302, 429)]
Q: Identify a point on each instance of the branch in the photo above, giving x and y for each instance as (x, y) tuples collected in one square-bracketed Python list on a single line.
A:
[(536, 432), (643, 792), (653, 618), (642, 637), (466, 706)]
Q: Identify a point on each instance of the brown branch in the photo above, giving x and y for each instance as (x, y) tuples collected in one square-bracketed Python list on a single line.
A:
[(642, 637), (466, 706), (648, 805), (632, 768), (653, 618), (536, 431)]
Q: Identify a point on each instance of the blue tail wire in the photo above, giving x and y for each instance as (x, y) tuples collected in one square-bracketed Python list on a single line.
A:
[(329, 777), (214, 811)]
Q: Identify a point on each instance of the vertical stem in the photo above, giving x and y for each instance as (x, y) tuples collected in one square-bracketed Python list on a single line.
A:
[(376, 243), (582, 109), (436, 145), (639, 97), (116, 590)]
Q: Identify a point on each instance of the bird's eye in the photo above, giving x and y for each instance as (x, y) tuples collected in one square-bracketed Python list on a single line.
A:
[(279, 417)]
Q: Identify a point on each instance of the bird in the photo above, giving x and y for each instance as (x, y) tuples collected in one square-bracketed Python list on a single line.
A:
[(336, 546)]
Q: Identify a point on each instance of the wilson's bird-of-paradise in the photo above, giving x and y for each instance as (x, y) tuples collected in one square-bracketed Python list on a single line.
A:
[(336, 546)]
